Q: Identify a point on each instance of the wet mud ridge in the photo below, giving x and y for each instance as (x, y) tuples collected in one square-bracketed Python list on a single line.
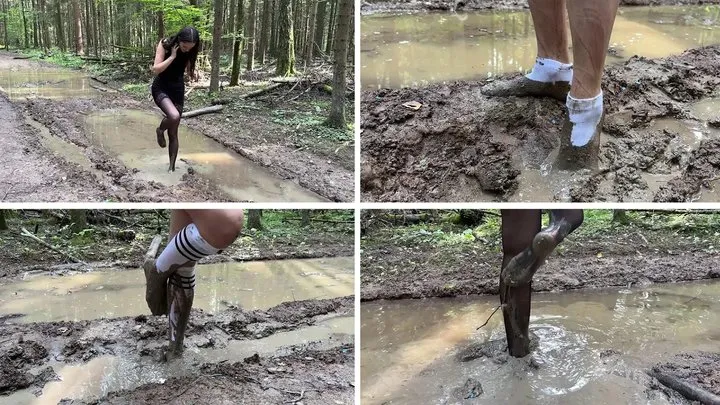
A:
[(463, 146), (320, 371)]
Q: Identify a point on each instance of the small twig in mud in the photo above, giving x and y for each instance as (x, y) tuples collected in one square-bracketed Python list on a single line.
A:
[(643, 238), (193, 384), (7, 192), (301, 395), (28, 234), (490, 317)]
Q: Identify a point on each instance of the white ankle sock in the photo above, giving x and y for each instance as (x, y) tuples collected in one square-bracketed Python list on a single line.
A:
[(585, 114), (187, 246), (549, 71)]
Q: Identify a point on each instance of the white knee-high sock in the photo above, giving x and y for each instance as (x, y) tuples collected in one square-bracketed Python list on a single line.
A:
[(187, 246), (549, 70)]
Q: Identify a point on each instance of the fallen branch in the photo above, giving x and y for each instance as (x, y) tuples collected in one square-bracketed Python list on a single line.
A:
[(99, 80), (330, 221), (21, 57), (490, 317), (28, 234), (689, 391), (201, 111), (300, 398), (154, 246), (261, 91), (187, 93), (98, 88), (287, 79)]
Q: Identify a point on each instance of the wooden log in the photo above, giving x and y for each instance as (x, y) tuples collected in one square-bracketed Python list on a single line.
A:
[(97, 79), (261, 91), (201, 111), (21, 57), (154, 247), (29, 235), (98, 88), (287, 79), (689, 391)]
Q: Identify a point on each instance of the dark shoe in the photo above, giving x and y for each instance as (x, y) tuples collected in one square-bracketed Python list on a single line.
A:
[(578, 157), (523, 87), (155, 288), (160, 137)]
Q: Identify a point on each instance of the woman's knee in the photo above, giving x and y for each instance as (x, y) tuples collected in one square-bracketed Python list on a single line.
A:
[(220, 228)]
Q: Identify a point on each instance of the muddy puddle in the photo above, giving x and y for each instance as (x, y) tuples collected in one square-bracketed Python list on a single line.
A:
[(412, 50), (117, 293), (593, 345), (22, 84), (130, 135)]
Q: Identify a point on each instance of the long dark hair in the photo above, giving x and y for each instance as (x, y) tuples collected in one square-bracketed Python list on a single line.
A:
[(187, 34)]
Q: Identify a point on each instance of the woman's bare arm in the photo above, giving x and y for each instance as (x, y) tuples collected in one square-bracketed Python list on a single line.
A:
[(161, 63)]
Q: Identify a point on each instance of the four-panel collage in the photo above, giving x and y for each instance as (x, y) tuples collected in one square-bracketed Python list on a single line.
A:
[(359, 202)]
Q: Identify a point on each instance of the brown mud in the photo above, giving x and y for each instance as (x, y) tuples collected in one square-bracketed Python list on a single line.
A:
[(701, 369), (464, 146), (323, 370), (398, 6), (103, 177)]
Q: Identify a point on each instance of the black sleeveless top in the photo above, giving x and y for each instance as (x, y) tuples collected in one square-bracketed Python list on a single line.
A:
[(173, 76)]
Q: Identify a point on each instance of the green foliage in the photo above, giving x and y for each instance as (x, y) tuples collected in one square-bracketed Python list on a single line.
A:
[(308, 126), (177, 14), (136, 90)]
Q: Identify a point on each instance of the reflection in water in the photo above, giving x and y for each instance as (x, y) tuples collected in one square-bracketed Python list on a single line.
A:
[(45, 83), (418, 49), (130, 134), (408, 346), (252, 285)]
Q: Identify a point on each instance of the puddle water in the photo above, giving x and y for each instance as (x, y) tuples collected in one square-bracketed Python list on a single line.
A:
[(252, 285), (45, 83), (409, 346), (130, 135), (105, 374), (418, 49), (68, 151)]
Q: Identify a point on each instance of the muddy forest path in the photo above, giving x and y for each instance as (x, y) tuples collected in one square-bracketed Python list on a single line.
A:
[(71, 138)]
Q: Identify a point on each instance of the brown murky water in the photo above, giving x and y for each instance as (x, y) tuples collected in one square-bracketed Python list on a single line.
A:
[(130, 135), (409, 346), (251, 285), (108, 294), (21, 84), (418, 49)]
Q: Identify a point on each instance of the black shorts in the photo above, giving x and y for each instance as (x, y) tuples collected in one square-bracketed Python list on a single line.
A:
[(176, 94)]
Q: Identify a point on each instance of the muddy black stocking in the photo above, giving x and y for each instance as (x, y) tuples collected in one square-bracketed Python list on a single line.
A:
[(519, 227), (525, 249), (181, 291), (171, 122)]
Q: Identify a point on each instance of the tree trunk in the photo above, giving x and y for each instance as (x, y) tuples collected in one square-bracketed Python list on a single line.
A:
[(310, 35), (59, 35), (251, 36), (3, 224), (217, 43), (274, 27), (5, 24), (342, 31), (112, 28), (161, 24), (231, 24), (255, 219), (237, 43), (44, 25), (620, 216), (320, 26), (88, 28), (305, 217), (264, 33), (96, 34), (24, 20), (79, 220), (79, 43), (331, 26), (286, 48), (36, 25)]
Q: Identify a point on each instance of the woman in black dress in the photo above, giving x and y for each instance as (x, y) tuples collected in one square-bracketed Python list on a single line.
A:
[(168, 87)]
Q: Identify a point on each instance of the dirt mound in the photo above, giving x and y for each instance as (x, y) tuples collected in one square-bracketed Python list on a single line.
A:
[(464, 146), (16, 358), (310, 377)]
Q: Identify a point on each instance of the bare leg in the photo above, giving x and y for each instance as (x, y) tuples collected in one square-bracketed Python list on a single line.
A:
[(172, 122), (553, 57), (591, 23)]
